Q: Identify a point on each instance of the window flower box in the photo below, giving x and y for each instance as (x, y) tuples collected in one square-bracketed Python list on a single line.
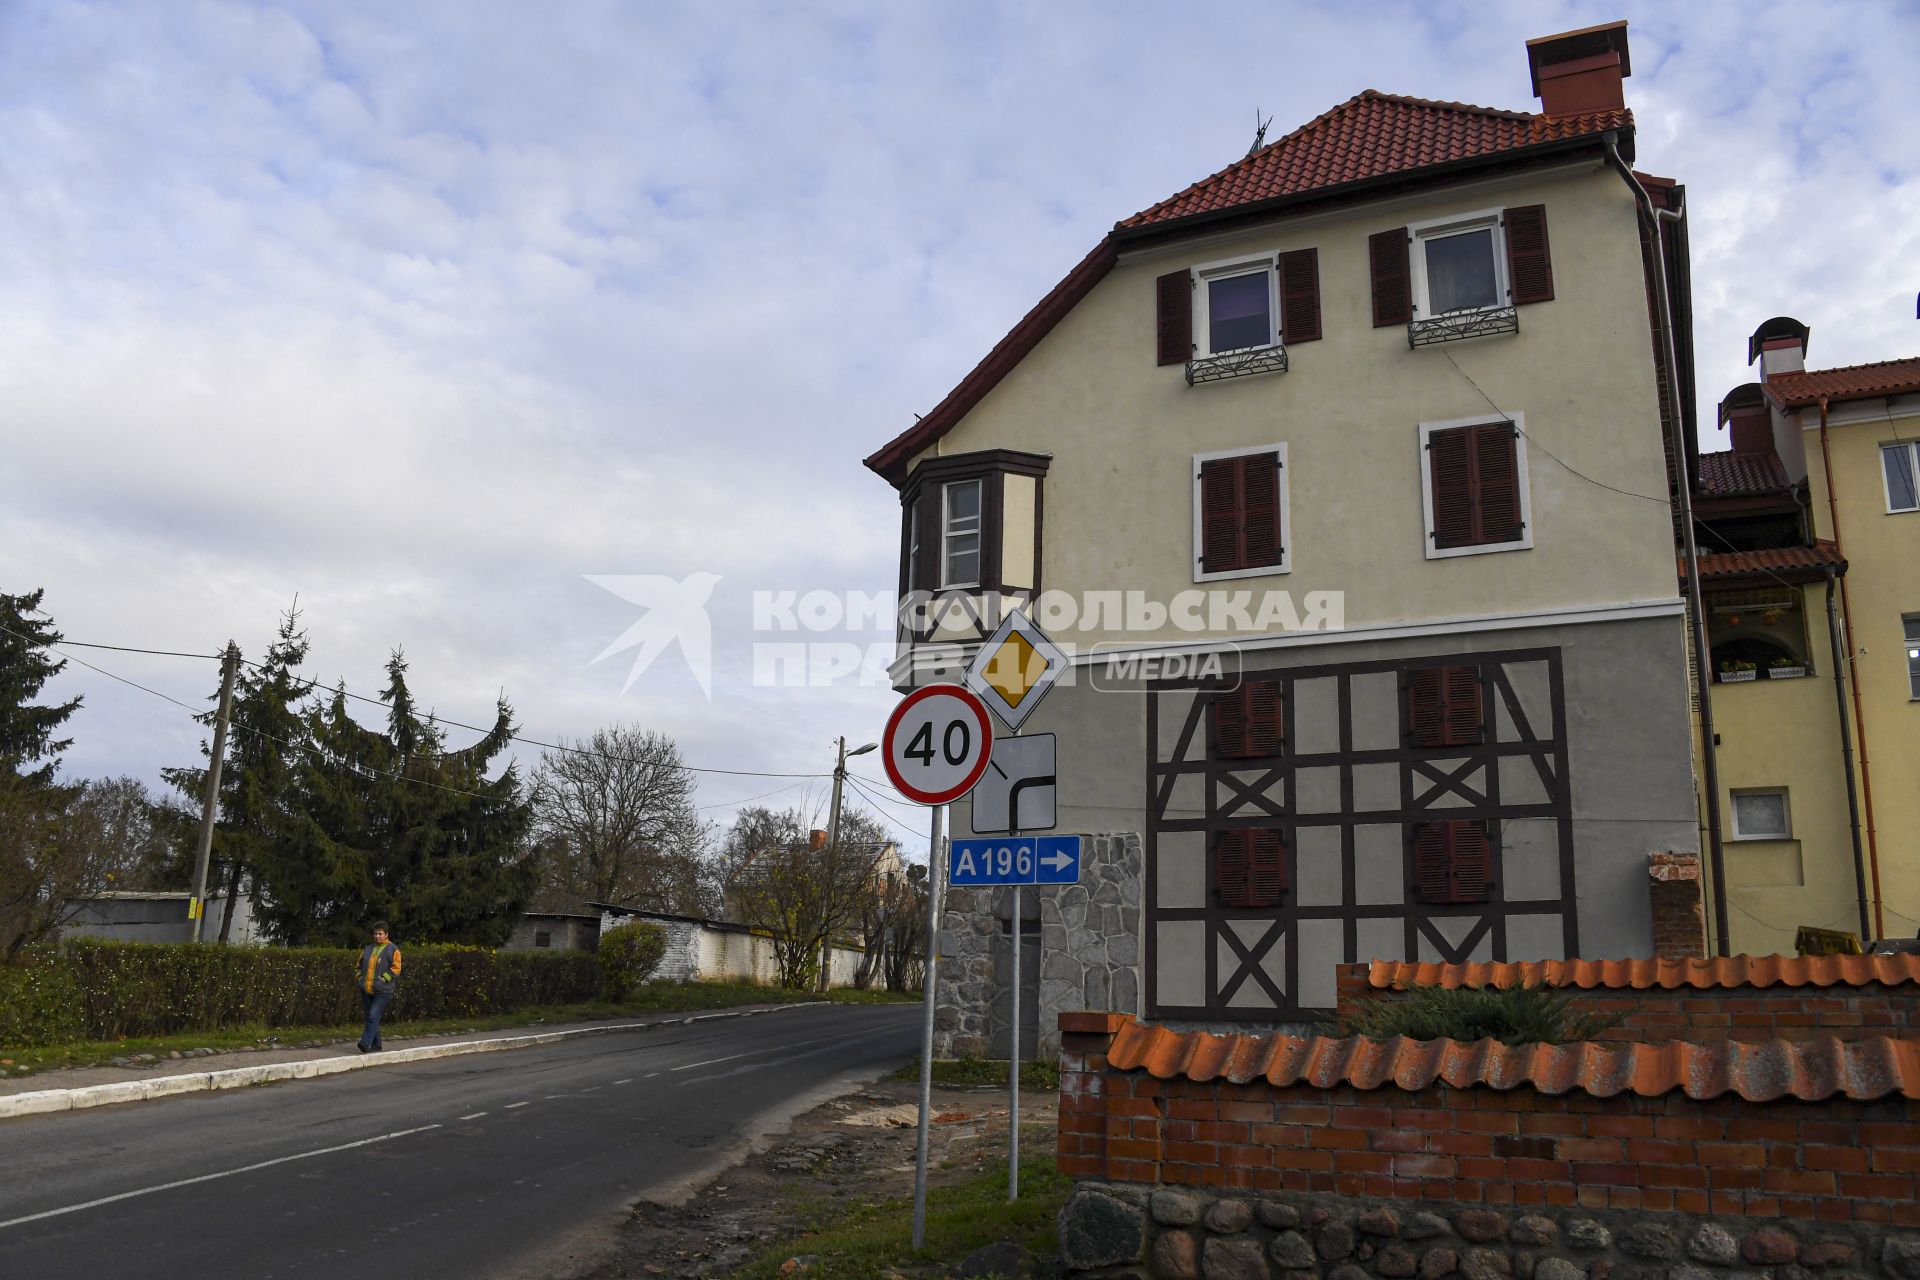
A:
[(1785, 673), (1735, 677)]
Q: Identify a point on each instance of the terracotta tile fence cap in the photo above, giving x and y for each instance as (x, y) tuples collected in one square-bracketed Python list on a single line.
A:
[(1608, 975)]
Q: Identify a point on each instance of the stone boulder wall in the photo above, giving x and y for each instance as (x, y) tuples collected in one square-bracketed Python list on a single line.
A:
[(1186, 1233)]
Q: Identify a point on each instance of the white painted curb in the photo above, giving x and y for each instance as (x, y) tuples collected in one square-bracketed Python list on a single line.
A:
[(43, 1101)]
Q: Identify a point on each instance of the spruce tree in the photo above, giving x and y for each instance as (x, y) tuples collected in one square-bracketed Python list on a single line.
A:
[(38, 869), (29, 753)]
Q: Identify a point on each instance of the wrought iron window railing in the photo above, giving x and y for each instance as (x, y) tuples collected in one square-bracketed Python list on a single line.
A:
[(1237, 364), (1454, 326)]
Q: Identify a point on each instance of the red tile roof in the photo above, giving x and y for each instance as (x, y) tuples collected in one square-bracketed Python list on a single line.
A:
[(1798, 564), (1854, 382), (1740, 475), (1368, 136), (1810, 1070), (1640, 975)]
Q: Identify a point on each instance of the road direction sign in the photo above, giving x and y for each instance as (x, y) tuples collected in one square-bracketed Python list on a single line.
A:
[(1017, 860), (1017, 791), (1015, 668), (937, 744)]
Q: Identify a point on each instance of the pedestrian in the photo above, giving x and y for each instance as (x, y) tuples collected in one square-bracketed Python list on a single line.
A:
[(379, 966)]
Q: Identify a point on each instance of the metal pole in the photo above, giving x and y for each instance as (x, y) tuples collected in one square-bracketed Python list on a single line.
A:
[(936, 862), (209, 803), (1013, 1061)]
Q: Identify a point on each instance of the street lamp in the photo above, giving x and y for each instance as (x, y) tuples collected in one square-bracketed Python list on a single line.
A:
[(833, 845)]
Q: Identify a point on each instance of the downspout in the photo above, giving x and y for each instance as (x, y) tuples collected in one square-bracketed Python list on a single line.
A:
[(1696, 608), (1846, 755), (1859, 720)]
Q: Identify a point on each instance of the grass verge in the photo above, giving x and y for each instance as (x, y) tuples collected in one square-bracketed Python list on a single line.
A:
[(965, 1072), (653, 997), (862, 1241)]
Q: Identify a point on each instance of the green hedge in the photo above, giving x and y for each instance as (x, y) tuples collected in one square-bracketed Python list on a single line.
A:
[(87, 989), (628, 956)]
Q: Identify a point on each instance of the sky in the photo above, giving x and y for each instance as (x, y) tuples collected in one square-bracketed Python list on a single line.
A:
[(431, 315)]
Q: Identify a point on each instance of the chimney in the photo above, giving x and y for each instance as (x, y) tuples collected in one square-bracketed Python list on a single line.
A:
[(1577, 72), (816, 840), (1748, 420), (1780, 345)]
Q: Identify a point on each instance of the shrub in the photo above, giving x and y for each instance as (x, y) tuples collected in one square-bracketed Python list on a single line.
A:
[(1513, 1015), (628, 956), (88, 988)]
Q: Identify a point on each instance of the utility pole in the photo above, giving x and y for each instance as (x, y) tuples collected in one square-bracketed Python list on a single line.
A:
[(210, 803), (833, 850), (936, 863)]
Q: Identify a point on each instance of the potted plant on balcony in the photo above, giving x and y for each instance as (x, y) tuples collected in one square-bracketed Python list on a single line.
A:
[(1783, 667), (1734, 670)]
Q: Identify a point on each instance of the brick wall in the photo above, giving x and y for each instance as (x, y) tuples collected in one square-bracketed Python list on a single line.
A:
[(1655, 1015), (1835, 1161), (1673, 896)]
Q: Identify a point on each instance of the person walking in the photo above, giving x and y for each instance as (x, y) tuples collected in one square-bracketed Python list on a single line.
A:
[(379, 966)]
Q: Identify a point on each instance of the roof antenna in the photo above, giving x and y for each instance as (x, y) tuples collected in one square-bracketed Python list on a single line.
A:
[(1259, 131)]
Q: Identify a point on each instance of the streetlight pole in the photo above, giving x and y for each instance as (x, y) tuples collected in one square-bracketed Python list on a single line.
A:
[(210, 802), (833, 847)]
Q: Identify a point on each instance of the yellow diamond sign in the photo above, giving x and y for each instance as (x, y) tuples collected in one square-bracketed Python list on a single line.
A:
[(1015, 668)]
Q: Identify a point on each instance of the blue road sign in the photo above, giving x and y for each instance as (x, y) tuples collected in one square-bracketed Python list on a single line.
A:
[(1014, 860)]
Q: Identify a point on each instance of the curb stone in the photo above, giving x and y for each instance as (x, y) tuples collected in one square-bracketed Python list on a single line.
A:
[(85, 1097)]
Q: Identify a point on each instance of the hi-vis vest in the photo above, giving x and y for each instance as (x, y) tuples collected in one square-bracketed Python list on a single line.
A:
[(379, 966)]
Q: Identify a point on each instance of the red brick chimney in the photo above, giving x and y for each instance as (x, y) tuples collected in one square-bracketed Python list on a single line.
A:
[(1748, 420), (1577, 72)]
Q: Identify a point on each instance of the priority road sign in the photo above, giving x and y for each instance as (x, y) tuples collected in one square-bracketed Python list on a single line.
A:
[(937, 744), (1015, 860), (1017, 792), (1015, 668)]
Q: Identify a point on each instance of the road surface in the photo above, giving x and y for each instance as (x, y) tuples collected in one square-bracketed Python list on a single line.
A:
[(512, 1164)]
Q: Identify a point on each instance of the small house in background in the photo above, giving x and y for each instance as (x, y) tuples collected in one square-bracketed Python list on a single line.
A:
[(155, 917), (554, 930)]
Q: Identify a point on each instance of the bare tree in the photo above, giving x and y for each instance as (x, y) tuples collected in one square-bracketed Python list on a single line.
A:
[(58, 844), (906, 962), (802, 892), (615, 822)]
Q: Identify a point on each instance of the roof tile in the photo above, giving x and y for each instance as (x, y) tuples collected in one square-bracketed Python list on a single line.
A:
[(1801, 561), (1809, 1070), (1852, 382), (1740, 475), (1372, 135), (1641, 975)]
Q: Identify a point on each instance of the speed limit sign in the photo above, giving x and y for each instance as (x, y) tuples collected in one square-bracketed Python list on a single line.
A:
[(937, 744)]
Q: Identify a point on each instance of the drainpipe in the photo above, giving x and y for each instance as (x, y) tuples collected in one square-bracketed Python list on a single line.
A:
[(1696, 609), (1859, 721), (1846, 754)]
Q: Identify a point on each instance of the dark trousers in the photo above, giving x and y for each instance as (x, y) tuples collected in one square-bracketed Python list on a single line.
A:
[(375, 1004)]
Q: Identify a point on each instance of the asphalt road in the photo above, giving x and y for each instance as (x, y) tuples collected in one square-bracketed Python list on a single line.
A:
[(512, 1164)]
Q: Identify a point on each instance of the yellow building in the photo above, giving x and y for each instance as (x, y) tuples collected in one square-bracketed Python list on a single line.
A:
[(1809, 536)]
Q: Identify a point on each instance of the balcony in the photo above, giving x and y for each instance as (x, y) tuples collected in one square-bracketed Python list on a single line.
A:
[(1458, 326), (1237, 364)]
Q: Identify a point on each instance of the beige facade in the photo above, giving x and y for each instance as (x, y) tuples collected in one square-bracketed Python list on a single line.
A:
[(1122, 432)]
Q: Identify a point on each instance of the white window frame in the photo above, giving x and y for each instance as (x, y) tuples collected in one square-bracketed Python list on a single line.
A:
[(1786, 812), (1203, 313), (1286, 515), (1907, 646), (1525, 541), (979, 531), (1438, 228), (913, 543), (1912, 448)]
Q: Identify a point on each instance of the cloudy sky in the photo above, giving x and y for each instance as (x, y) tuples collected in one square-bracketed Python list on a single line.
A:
[(426, 313)]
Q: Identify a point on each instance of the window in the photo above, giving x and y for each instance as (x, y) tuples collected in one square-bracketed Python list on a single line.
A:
[(1761, 815), (1901, 465), (960, 536), (1238, 306), (1461, 276), (1249, 722), (1443, 707), (1474, 484), (912, 569), (1249, 867), (1456, 269), (1451, 861), (1912, 622), (1240, 514), (542, 938)]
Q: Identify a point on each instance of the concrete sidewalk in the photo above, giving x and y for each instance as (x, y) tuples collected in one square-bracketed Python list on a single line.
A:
[(78, 1088)]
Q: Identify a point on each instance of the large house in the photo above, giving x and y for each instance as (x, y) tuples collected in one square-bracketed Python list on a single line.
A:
[(1381, 423), (1810, 534)]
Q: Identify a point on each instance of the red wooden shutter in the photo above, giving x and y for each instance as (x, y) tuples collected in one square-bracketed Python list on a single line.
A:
[(1392, 278), (1443, 706), (1529, 261), (1173, 317), (1249, 868), (1496, 483), (1259, 509), (1465, 719), (1220, 515), (1451, 862), (1300, 296), (1249, 722), (1450, 467)]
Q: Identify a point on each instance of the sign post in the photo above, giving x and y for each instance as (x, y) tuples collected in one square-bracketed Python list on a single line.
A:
[(937, 744)]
